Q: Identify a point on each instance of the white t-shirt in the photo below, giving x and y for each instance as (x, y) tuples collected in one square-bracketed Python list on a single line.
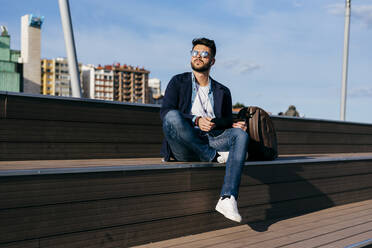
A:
[(202, 105)]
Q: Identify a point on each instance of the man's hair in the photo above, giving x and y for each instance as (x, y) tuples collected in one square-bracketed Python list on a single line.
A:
[(206, 42)]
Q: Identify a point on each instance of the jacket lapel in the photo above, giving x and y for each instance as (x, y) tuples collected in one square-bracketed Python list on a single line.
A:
[(186, 93), (218, 98)]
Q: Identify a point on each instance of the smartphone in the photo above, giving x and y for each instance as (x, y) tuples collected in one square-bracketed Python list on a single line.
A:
[(238, 119)]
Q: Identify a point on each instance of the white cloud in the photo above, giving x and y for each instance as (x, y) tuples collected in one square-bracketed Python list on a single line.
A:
[(238, 66), (240, 8), (361, 92), (362, 13), (298, 3), (230, 63), (336, 9), (249, 67)]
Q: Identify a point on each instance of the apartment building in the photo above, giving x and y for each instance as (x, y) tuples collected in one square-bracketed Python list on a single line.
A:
[(55, 77), (117, 83), (131, 84), (99, 82), (155, 88)]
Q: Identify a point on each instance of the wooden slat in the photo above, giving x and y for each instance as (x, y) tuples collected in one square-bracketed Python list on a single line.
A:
[(38, 108), (329, 138), (37, 151), (204, 178), (312, 162), (21, 244), (88, 163), (321, 148), (2, 106), (61, 131), (353, 240), (324, 126), (27, 191)]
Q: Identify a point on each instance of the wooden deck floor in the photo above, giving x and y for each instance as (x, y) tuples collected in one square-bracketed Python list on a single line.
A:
[(143, 162), (127, 202), (335, 227)]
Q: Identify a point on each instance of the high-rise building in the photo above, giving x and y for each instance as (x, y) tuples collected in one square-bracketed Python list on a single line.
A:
[(155, 88), (56, 78), (118, 83), (99, 82), (30, 52), (10, 69), (131, 84)]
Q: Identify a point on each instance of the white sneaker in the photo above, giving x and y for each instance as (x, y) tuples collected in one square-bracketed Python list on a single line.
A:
[(223, 157), (229, 208)]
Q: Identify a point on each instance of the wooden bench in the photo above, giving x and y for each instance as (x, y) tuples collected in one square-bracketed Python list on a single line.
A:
[(125, 202), (81, 173), (37, 128)]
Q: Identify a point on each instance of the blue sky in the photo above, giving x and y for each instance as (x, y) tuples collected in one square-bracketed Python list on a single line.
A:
[(270, 53)]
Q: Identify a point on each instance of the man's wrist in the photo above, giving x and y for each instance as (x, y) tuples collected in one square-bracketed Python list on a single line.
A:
[(196, 123), (193, 119)]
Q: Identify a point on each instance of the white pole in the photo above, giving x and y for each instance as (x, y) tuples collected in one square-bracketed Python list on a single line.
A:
[(73, 68), (345, 59)]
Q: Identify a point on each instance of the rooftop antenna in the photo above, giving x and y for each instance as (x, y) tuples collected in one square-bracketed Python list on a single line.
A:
[(4, 30), (73, 68), (345, 59)]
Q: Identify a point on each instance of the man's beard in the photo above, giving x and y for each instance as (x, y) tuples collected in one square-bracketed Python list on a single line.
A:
[(204, 68)]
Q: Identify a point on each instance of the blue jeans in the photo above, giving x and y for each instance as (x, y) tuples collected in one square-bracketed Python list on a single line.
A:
[(190, 144)]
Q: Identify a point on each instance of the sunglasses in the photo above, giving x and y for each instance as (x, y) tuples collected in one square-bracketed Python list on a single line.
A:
[(203, 54)]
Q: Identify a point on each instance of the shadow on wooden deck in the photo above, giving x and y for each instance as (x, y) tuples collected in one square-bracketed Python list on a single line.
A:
[(299, 193)]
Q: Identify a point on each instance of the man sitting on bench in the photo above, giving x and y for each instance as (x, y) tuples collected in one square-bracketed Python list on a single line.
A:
[(197, 124)]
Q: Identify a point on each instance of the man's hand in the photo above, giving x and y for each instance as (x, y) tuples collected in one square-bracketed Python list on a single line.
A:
[(240, 124), (205, 124)]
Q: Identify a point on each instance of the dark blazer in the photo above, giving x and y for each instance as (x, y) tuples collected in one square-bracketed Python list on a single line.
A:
[(178, 97)]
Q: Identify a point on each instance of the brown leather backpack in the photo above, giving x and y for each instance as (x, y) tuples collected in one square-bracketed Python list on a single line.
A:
[(262, 137)]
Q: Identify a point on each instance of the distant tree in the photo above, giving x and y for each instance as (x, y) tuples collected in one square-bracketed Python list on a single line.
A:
[(238, 105), (292, 111)]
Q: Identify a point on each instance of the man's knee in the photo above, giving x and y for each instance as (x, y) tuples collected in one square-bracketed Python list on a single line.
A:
[(240, 134), (173, 117)]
